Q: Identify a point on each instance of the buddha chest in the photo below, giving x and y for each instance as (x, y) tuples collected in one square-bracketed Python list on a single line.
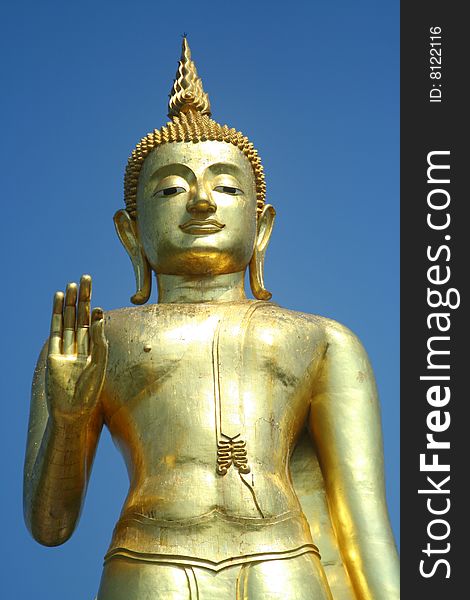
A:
[(190, 380)]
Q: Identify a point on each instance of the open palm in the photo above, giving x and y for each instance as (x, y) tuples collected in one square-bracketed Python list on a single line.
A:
[(77, 353)]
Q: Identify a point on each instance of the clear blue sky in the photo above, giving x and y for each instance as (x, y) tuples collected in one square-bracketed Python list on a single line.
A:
[(314, 84)]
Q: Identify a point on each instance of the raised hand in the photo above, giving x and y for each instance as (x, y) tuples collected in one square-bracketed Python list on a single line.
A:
[(77, 354)]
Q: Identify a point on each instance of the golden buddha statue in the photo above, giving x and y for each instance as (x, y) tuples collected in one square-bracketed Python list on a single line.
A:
[(251, 433)]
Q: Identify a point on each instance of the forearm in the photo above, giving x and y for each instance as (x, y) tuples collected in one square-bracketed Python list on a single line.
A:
[(351, 461), (55, 488), (366, 542), (373, 567), (354, 479)]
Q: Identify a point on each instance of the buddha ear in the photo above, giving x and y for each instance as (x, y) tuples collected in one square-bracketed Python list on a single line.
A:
[(263, 235), (126, 228)]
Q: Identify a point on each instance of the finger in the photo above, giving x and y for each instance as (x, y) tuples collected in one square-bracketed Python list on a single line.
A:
[(55, 338), (69, 319), (99, 345), (83, 315)]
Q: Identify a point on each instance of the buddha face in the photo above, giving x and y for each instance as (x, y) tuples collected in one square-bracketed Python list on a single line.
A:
[(196, 209)]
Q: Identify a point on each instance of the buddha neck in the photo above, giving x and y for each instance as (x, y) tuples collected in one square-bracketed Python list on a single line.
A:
[(229, 287)]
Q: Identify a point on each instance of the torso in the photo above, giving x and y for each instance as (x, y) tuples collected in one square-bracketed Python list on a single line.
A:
[(184, 380)]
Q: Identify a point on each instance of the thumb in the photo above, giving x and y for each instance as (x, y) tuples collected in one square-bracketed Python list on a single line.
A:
[(99, 345)]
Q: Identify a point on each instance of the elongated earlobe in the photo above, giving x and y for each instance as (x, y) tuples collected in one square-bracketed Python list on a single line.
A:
[(126, 229), (265, 227)]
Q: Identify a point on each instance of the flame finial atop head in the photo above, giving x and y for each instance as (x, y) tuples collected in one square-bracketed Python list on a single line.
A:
[(187, 92)]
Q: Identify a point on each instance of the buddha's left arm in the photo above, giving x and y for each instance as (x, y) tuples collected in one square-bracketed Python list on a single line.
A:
[(346, 428)]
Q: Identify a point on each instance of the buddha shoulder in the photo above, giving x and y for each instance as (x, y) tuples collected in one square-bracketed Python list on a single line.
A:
[(314, 346), (309, 329)]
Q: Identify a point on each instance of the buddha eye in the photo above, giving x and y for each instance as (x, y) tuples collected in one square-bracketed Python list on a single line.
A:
[(169, 191), (226, 189)]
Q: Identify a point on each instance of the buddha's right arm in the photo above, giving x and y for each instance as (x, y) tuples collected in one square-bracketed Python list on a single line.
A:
[(66, 416), (59, 456)]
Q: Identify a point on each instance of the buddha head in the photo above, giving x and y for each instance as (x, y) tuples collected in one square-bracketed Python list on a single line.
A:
[(195, 196)]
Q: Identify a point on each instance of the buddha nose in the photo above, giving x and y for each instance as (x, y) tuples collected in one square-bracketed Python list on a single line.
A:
[(201, 202)]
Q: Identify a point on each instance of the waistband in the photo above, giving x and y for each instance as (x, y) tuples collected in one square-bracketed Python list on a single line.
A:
[(188, 561), (213, 541)]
